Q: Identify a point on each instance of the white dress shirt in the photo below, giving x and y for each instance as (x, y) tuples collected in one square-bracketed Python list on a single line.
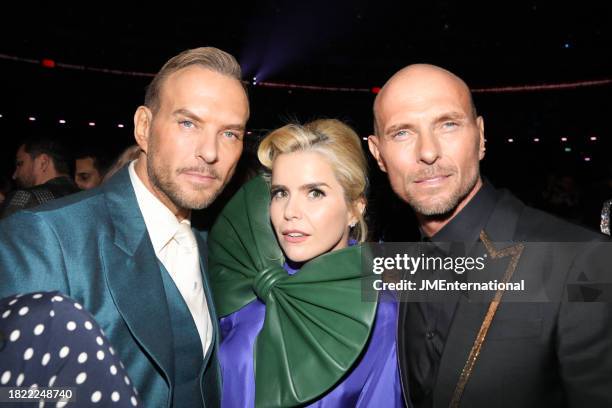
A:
[(179, 256)]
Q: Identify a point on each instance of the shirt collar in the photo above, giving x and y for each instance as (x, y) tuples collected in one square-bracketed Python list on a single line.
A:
[(161, 223)]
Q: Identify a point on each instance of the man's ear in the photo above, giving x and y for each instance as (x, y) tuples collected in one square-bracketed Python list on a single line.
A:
[(482, 141), (143, 118), (373, 144), (42, 162)]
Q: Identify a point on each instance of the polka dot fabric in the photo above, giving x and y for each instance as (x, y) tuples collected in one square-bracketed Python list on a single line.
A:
[(49, 340)]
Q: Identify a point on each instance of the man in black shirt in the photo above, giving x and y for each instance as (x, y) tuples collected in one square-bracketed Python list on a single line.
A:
[(42, 173), (429, 140)]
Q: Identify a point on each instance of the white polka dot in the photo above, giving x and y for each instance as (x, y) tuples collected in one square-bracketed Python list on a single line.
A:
[(39, 329), (115, 396), (6, 314), (64, 351), (57, 299), (96, 396), (12, 302), (61, 403), (127, 380), (28, 353), (82, 358), (135, 390), (41, 404), (80, 379), (99, 341), (20, 379), (52, 313), (19, 295), (88, 325), (100, 355), (34, 385), (6, 376), (45, 359), (37, 296), (24, 311), (133, 401), (71, 325), (52, 380), (113, 370), (14, 335), (121, 364), (110, 349), (78, 306)]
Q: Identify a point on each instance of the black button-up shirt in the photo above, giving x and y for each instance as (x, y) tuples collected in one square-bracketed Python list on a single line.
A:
[(426, 324)]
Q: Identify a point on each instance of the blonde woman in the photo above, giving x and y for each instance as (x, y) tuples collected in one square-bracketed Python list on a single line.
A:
[(285, 265)]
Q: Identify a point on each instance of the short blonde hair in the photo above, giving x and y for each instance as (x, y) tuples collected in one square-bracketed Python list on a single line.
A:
[(210, 58), (339, 144)]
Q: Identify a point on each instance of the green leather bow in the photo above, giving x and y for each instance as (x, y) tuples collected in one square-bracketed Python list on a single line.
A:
[(316, 324)]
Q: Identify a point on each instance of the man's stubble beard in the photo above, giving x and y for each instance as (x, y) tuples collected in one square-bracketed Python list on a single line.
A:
[(26, 182), (443, 206), (162, 181)]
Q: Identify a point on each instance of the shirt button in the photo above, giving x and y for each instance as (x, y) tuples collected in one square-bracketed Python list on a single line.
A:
[(430, 335)]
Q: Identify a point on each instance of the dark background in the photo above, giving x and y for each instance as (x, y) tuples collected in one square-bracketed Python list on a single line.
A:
[(353, 44)]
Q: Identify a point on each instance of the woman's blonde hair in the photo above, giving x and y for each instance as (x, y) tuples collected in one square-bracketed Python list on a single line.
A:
[(338, 143)]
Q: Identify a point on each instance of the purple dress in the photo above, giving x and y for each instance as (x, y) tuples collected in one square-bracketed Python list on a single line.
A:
[(372, 382)]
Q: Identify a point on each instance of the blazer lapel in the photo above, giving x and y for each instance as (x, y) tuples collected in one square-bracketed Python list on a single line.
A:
[(466, 323), (203, 250), (133, 276), (469, 316), (502, 224)]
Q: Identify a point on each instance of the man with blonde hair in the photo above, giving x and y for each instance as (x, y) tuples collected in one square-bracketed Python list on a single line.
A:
[(126, 251)]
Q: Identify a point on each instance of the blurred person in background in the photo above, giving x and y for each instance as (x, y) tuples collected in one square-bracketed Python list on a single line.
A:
[(90, 166), (129, 154), (42, 173), (5, 187)]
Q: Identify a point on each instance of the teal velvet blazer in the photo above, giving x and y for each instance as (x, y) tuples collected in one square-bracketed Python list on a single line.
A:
[(94, 247)]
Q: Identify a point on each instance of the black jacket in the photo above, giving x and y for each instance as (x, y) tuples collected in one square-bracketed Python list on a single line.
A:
[(33, 196), (538, 353)]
